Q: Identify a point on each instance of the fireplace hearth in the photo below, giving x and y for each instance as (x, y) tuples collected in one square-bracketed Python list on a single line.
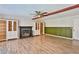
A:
[(25, 31)]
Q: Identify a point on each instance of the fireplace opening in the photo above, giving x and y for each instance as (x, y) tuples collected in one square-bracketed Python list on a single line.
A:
[(25, 31)]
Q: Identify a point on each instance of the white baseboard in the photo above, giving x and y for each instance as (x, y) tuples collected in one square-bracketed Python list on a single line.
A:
[(58, 36)]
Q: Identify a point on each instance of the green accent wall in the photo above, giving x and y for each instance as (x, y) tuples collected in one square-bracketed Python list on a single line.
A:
[(59, 31)]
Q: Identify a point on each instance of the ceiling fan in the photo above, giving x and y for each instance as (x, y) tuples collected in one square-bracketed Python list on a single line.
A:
[(39, 13)]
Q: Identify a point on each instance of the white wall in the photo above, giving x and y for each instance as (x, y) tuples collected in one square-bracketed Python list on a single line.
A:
[(64, 19), (61, 22), (25, 21), (76, 27)]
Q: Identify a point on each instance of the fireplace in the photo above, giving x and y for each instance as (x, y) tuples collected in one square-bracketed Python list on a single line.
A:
[(25, 31)]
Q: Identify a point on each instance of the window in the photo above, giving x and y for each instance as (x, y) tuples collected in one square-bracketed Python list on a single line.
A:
[(36, 26), (9, 25), (14, 26)]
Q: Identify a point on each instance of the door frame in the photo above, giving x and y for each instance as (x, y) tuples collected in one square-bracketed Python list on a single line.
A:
[(5, 29), (37, 26), (10, 35)]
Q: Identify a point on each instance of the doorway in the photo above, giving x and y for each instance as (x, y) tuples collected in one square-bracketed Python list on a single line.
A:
[(39, 28), (2, 30), (12, 29)]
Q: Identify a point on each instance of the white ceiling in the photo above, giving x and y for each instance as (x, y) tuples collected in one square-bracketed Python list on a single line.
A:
[(25, 10), (64, 14)]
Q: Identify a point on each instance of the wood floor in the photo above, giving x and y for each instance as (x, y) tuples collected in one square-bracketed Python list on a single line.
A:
[(39, 45)]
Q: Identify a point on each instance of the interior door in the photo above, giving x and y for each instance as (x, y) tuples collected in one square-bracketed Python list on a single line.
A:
[(38, 28), (41, 28), (2, 30), (12, 29), (76, 29)]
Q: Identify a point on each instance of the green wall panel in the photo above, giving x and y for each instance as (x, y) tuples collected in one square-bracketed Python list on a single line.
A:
[(60, 31)]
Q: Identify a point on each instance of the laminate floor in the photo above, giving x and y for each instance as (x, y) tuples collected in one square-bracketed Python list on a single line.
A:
[(40, 45)]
